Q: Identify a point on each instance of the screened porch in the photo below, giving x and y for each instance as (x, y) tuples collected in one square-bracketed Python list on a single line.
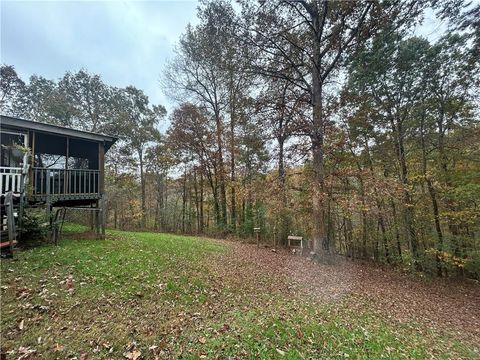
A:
[(65, 168), (52, 164)]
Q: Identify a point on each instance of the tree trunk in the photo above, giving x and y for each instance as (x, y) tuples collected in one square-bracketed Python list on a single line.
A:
[(221, 170), (202, 226), (433, 198), (364, 217), (160, 200), (184, 200), (164, 217), (321, 244), (284, 223), (395, 225), (380, 205), (408, 211), (156, 217), (450, 205), (142, 185), (381, 223), (362, 194), (233, 211), (216, 204)]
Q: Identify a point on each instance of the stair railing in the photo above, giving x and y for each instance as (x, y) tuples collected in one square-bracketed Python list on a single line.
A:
[(10, 179), (10, 220)]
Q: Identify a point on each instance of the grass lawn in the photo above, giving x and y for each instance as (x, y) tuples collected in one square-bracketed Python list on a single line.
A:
[(147, 295)]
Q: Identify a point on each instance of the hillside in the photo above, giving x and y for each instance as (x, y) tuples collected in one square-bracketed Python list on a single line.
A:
[(150, 295)]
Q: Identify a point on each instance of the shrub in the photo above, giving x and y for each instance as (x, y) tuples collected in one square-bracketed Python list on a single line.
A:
[(33, 227)]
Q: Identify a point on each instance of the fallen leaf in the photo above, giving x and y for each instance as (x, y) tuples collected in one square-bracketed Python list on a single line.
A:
[(23, 293), (25, 353), (133, 355), (224, 329), (154, 352), (202, 340), (20, 324), (69, 282)]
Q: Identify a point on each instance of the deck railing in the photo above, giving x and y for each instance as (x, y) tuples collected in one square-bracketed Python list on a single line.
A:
[(10, 179), (71, 182)]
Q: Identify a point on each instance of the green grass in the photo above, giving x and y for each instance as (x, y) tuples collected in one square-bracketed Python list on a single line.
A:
[(138, 290), (133, 263), (69, 228), (316, 334)]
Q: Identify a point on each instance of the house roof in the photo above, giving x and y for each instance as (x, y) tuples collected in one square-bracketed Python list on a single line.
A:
[(23, 124)]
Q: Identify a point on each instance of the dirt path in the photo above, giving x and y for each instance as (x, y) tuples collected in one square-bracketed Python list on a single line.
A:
[(442, 304)]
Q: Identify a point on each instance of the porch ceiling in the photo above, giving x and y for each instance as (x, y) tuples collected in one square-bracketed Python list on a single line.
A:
[(25, 125)]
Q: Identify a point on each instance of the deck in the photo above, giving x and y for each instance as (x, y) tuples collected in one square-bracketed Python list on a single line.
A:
[(45, 184)]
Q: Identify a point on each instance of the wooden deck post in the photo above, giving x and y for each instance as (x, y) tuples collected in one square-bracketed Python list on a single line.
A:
[(10, 220), (91, 217), (101, 189), (21, 208), (97, 219), (66, 177), (49, 206), (24, 180), (101, 167), (49, 199), (103, 217), (31, 170)]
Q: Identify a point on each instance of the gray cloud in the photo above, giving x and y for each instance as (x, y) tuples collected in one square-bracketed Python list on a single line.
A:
[(126, 42)]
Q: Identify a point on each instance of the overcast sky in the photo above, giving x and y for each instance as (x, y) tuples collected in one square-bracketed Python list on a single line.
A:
[(127, 43)]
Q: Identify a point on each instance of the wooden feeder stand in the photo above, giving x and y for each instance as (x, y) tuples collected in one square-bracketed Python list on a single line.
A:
[(257, 231), (295, 240)]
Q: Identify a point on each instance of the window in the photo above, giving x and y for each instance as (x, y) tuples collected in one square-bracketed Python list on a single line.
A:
[(12, 149)]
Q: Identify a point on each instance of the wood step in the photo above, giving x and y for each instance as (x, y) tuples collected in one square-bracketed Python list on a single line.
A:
[(7, 244)]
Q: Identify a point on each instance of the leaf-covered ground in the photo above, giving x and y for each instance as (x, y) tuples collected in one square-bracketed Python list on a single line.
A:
[(146, 295)]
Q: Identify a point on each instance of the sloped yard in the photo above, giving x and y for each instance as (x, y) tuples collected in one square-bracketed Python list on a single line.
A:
[(147, 295)]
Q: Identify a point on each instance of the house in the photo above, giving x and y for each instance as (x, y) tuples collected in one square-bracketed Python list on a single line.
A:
[(50, 166)]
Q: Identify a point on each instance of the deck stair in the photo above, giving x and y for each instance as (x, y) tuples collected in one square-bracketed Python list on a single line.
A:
[(10, 207)]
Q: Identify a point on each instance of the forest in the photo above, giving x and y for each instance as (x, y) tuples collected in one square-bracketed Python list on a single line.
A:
[(337, 121)]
